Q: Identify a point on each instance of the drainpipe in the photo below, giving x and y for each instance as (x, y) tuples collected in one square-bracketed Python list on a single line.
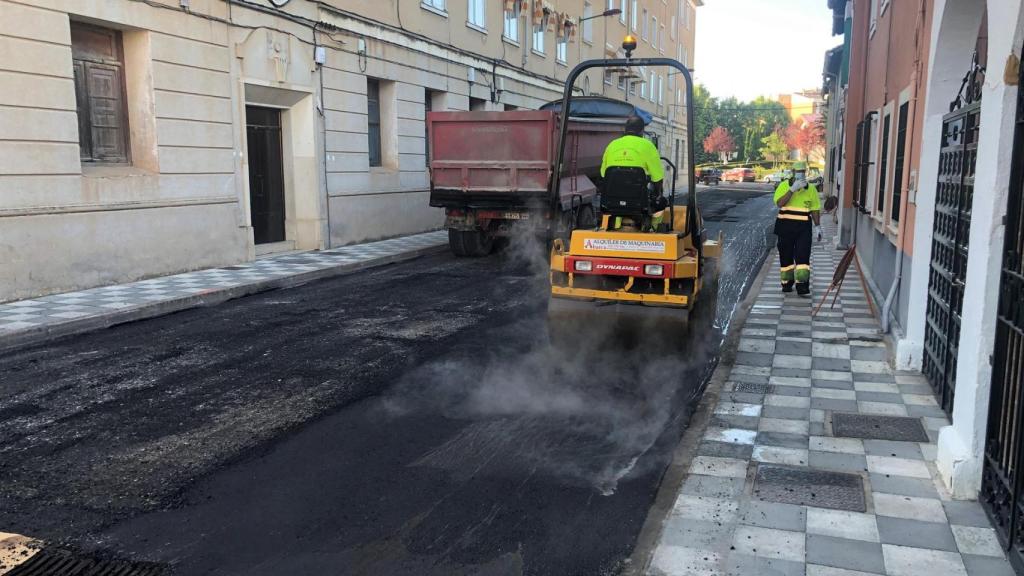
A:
[(891, 296)]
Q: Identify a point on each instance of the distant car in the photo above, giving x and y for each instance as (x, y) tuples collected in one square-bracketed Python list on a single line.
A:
[(739, 175), (709, 176), (776, 177)]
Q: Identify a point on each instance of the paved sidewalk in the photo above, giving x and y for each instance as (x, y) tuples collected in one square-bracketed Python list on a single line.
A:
[(37, 319), (762, 496)]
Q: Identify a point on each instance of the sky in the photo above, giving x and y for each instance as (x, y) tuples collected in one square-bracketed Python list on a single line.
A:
[(747, 48)]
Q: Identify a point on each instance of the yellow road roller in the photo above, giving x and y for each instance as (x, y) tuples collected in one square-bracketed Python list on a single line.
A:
[(648, 262)]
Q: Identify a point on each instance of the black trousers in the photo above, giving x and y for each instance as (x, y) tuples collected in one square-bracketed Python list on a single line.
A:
[(794, 251)]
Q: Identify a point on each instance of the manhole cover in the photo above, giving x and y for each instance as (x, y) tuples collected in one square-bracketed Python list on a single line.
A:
[(807, 487), (61, 562), (899, 428), (751, 388)]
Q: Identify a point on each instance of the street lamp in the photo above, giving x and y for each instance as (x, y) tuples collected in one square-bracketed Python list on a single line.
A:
[(610, 12)]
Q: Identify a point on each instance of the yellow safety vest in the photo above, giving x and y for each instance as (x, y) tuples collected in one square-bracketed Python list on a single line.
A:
[(800, 205), (633, 152)]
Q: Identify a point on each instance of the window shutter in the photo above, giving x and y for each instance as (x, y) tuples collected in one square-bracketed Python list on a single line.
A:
[(99, 93), (106, 112), (82, 102)]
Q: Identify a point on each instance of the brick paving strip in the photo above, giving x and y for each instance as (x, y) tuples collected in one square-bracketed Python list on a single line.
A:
[(38, 319), (770, 490)]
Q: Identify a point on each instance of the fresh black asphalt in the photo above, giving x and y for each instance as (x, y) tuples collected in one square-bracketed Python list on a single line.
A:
[(410, 419)]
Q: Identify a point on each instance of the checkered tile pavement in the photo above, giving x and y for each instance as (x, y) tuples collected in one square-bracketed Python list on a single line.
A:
[(71, 306), (790, 375)]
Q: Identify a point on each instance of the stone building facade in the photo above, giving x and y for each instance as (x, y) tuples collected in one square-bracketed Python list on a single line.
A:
[(145, 137)]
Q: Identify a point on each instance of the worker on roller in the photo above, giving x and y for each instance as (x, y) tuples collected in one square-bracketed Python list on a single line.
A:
[(632, 150), (798, 221)]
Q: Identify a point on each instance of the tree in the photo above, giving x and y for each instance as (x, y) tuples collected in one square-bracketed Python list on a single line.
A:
[(775, 148), (704, 112), (762, 116), (720, 142), (806, 138), (747, 122)]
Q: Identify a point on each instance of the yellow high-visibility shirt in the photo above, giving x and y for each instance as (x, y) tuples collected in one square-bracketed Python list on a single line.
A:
[(633, 152), (800, 205)]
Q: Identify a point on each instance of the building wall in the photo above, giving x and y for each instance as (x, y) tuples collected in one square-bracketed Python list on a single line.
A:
[(64, 225), (947, 34), (183, 203), (889, 51)]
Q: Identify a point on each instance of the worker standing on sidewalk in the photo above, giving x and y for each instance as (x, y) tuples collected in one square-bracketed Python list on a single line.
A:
[(799, 207)]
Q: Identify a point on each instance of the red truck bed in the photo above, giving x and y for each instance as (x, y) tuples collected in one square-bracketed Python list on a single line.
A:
[(491, 172), (505, 158)]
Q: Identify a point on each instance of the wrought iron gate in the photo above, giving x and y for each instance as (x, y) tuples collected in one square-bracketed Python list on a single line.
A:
[(947, 275), (1002, 477)]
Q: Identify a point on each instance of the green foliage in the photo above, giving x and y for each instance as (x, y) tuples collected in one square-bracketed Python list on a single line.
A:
[(774, 148), (748, 122)]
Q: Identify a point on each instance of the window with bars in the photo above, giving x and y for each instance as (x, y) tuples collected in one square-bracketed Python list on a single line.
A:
[(373, 120), (862, 160), (477, 13), (97, 56), (901, 143), (883, 165), (510, 28)]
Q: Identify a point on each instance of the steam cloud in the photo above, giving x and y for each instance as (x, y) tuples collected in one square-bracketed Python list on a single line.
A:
[(586, 416)]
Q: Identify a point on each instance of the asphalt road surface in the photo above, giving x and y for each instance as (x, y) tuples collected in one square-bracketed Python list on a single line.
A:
[(411, 419)]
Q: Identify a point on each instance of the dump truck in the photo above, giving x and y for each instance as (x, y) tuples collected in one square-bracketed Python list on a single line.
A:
[(492, 172), (648, 262)]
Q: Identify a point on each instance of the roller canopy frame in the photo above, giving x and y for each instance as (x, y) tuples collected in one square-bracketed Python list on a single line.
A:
[(691, 224)]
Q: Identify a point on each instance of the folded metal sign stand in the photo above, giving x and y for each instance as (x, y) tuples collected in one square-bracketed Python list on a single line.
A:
[(840, 275)]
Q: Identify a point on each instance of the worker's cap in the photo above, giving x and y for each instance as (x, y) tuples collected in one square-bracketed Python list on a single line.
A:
[(798, 166), (634, 125)]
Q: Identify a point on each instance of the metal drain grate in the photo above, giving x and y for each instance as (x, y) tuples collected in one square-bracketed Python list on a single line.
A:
[(807, 487), (751, 388), (61, 562), (898, 428)]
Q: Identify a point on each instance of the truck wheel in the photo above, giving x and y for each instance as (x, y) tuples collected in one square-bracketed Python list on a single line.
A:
[(455, 243), (587, 218), (473, 243)]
